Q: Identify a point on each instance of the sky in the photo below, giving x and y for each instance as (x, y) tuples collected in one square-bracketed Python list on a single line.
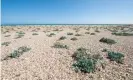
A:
[(67, 11)]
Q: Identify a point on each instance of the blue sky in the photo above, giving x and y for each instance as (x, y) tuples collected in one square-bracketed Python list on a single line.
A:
[(67, 11)]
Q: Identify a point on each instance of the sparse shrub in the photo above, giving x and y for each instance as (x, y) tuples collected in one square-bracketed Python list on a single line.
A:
[(92, 34), (15, 54), (19, 52), (51, 34), (78, 35), (6, 43), (80, 53), (118, 57), (85, 62), (34, 34), (97, 31), (87, 32), (108, 41), (59, 45), (74, 39), (23, 49), (69, 33), (85, 65), (20, 34), (62, 38), (7, 35), (122, 34)]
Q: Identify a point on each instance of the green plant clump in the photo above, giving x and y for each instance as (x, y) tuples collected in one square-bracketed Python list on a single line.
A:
[(80, 53), (19, 52), (20, 34), (51, 34), (122, 34), (6, 43), (62, 38), (59, 45), (74, 39), (7, 35), (69, 33), (85, 62), (118, 57), (78, 35), (34, 34), (85, 65), (87, 32), (108, 41), (92, 34)]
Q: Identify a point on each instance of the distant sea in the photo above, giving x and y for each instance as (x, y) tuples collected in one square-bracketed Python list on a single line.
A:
[(62, 24)]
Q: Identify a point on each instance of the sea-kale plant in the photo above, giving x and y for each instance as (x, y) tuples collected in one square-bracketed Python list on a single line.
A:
[(85, 62), (62, 38), (107, 40), (69, 33), (19, 34), (35, 34), (92, 33), (6, 43), (116, 56), (59, 45), (17, 53), (74, 39), (78, 35), (122, 34)]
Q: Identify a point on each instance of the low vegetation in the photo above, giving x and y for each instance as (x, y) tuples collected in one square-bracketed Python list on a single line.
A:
[(60, 45), (6, 43), (85, 65), (62, 38), (122, 34), (116, 56), (17, 53), (35, 34), (51, 34), (74, 39), (108, 41), (87, 32), (20, 34), (85, 62), (69, 33), (78, 35), (7, 35), (92, 33)]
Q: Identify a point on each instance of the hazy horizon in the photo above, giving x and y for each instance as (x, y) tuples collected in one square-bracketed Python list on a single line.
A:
[(66, 12)]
